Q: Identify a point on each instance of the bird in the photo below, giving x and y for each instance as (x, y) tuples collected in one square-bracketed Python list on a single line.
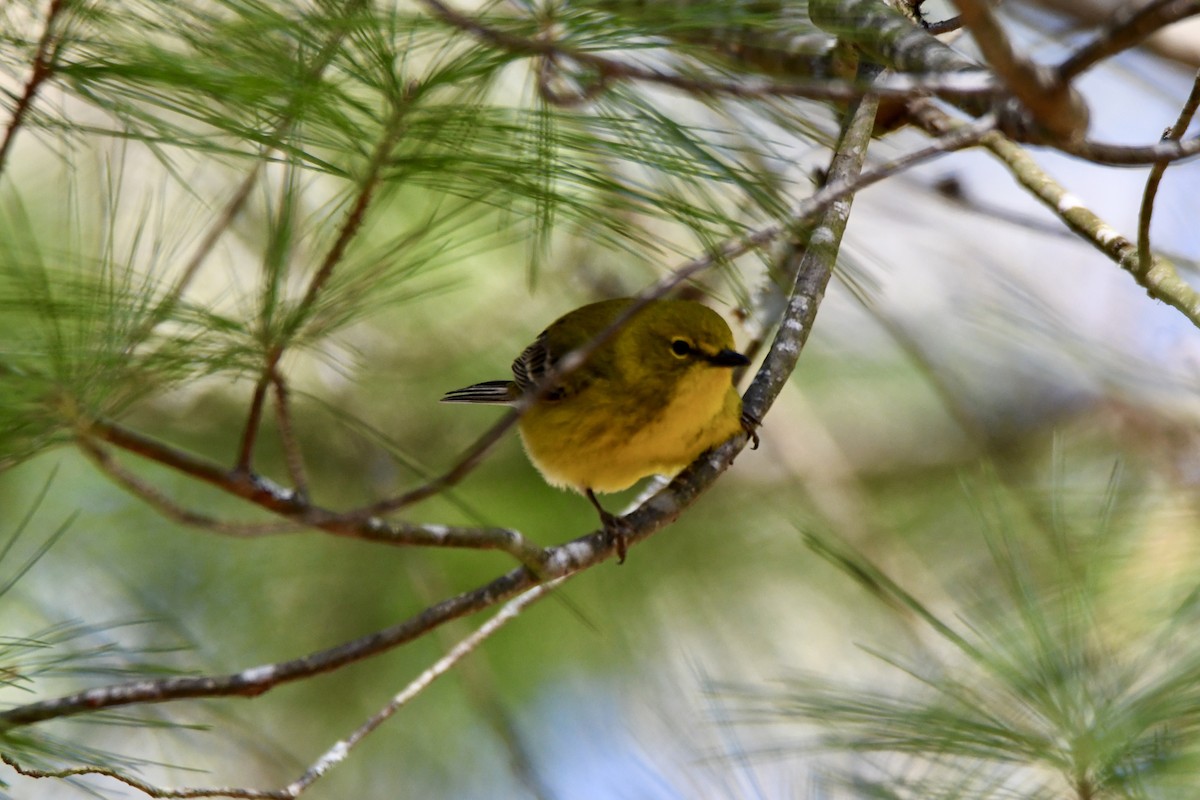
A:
[(648, 400)]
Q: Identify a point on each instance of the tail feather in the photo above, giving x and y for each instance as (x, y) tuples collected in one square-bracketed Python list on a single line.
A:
[(497, 392)]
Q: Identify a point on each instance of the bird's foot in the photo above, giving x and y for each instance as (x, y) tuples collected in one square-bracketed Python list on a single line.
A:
[(750, 425), (615, 528)]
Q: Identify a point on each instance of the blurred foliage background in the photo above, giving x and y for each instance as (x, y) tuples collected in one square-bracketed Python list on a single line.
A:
[(962, 564)]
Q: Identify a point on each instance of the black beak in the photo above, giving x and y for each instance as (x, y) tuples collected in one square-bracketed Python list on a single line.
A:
[(727, 358)]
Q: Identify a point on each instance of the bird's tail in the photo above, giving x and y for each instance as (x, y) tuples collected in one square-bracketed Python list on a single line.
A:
[(498, 392)]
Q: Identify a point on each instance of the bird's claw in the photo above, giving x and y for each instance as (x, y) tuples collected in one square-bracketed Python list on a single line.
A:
[(750, 424), (617, 530)]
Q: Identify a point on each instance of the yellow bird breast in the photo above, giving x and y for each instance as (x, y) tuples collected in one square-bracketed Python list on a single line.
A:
[(585, 442)]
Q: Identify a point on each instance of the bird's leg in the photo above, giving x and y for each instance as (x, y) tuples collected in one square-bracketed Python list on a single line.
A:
[(616, 528), (750, 425)]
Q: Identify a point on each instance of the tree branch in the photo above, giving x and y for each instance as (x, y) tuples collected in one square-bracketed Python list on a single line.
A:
[(1160, 280), (164, 505), (814, 267), (337, 753), (1129, 26), (1054, 106), (1175, 132), (292, 506), (237, 200), (350, 226), (40, 71), (287, 435)]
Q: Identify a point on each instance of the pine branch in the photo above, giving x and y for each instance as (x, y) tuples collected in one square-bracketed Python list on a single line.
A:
[(233, 207), (393, 129), (289, 504), (41, 70)]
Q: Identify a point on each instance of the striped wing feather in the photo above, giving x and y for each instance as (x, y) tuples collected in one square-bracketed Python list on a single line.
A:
[(499, 392), (532, 365)]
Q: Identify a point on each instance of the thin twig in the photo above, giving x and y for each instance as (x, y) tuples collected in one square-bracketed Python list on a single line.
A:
[(1130, 25), (351, 224), (149, 789), (287, 435), (291, 505), (943, 26), (478, 679), (164, 505), (245, 456), (1146, 211), (40, 71), (336, 754), (1118, 155), (237, 200), (341, 749)]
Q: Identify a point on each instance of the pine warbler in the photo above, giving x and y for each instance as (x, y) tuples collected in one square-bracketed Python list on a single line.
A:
[(647, 401)]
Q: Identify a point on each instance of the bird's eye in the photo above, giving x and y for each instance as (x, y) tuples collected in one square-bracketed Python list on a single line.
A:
[(680, 347)]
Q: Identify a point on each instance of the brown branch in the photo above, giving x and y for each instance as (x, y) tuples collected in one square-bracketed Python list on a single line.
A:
[(256, 680), (164, 505), (942, 26), (287, 435), (1175, 132), (245, 456), (342, 748), (237, 201), (1131, 156), (290, 505), (142, 786), (40, 71), (1130, 25), (1051, 101), (350, 226)]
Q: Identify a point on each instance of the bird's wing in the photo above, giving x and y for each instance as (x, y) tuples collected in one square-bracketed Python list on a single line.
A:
[(568, 333), (532, 365)]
